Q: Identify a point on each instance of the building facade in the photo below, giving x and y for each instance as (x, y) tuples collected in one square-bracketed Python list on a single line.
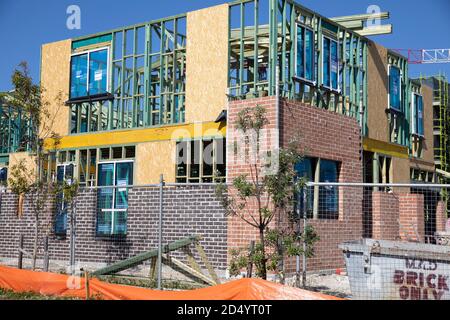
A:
[(162, 97)]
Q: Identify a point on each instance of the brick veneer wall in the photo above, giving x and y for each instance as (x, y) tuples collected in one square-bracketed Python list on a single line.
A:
[(187, 211), (398, 216), (322, 134), (441, 217), (385, 216), (412, 216)]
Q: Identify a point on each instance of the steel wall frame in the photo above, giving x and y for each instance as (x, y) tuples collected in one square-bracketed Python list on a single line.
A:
[(148, 85), (15, 130), (284, 15), (403, 119)]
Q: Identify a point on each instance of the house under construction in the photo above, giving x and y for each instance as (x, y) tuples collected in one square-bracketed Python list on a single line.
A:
[(155, 98)]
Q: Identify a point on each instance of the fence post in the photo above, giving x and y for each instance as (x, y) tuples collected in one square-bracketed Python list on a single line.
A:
[(86, 284), (304, 211), (20, 263), (250, 259), (46, 257), (160, 227), (72, 237)]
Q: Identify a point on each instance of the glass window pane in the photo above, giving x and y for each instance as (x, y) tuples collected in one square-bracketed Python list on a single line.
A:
[(120, 223), (300, 52), (195, 159), (79, 72), (328, 195), (309, 49), (181, 160), (60, 174), (394, 88), (420, 129), (98, 70), (326, 62), (334, 65), (208, 155), (221, 159), (105, 174), (104, 223), (304, 170)]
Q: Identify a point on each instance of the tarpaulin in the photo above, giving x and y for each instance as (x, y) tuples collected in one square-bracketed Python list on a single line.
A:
[(51, 284)]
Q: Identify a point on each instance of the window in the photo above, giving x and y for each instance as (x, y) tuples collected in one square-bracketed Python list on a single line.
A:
[(417, 115), (395, 89), (89, 117), (201, 161), (305, 53), (322, 202), (330, 58), (3, 175), (64, 173), (113, 201), (89, 74), (328, 195), (304, 169)]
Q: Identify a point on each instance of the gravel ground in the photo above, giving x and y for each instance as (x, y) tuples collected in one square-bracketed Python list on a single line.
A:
[(334, 285)]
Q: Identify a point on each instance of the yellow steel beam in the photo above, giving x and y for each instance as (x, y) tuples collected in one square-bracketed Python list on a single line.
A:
[(385, 148), (133, 136)]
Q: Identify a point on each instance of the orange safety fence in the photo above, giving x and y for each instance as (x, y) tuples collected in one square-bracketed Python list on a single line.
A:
[(51, 284)]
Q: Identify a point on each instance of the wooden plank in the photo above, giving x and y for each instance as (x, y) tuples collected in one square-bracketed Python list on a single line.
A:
[(137, 260), (191, 260), (153, 268), (179, 266), (205, 260)]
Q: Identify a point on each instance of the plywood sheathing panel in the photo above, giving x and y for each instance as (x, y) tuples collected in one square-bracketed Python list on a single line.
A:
[(206, 63), (29, 162), (154, 159), (55, 79), (378, 87), (400, 170)]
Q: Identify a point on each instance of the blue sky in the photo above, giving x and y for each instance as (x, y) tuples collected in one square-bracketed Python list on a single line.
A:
[(25, 25)]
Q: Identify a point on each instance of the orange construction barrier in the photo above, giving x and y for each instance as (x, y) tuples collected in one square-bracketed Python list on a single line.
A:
[(51, 284)]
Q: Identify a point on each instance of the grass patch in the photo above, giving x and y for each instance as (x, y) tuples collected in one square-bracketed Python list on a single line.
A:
[(11, 295), (151, 284)]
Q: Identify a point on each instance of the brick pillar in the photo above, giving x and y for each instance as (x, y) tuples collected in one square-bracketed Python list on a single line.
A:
[(441, 217), (385, 215), (412, 219)]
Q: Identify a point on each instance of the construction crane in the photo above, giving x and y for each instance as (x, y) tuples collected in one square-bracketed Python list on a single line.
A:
[(425, 56)]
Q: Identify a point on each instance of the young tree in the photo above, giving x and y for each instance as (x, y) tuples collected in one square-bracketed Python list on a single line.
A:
[(25, 181), (259, 197)]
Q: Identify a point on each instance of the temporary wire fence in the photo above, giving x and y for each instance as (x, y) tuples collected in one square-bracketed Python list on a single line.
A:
[(372, 241), (379, 241)]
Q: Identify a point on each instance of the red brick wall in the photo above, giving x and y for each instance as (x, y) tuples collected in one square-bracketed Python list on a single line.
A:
[(398, 216), (441, 217), (412, 219), (385, 215), (321, 134)]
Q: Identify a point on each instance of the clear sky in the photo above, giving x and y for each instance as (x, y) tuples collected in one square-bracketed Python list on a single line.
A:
[(25, 24)]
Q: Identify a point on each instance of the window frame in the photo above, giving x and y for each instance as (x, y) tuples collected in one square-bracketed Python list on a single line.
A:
[(305, 28), (415, 115), (316, 193), (114, 187), (61, 205), (188, 179), (88, 52), (400, 110), (338, 89)]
